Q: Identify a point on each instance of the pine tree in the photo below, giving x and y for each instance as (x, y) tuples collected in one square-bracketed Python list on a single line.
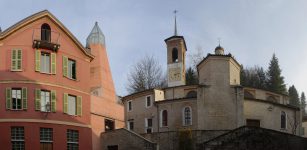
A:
[(191, 76), (303, 103), (275, 82), (293, 96)]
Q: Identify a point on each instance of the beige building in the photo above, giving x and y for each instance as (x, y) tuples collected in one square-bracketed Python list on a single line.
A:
[(218, 102)]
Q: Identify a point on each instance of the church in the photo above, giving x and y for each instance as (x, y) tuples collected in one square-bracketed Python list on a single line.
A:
[(216, 105)]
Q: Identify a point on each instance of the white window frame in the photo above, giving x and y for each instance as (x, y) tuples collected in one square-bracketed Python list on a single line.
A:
[(45, 63), (183, 116), (146, 125), (70, 69), (286, 120), (68, 105), (128, 124), (161, 118), (41, 100), (128, 105), (17, 99), (146, 101)]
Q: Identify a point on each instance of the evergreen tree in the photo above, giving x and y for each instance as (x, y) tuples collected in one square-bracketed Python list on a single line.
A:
[(253, 77), (293, 96), (303, 103), (191, 76), (261, 78), (275, 82)]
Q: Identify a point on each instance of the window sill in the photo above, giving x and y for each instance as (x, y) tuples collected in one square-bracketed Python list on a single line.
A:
[(17, 109), (46, 73), (16, 70), (71, 79)]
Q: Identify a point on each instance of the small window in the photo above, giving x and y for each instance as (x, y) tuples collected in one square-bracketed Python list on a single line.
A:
[(71, 69), (46, 138), (130, 124), (148, 125), (129, 105), (72, 105), (16, 60), (283, 120), (109, 125), (45, 63), (16, 99), (72, 140), (175, 55), (45, 101), (187, 116), (148, 101), (192, 94), (45, 32), (18, 138), (164, 117)]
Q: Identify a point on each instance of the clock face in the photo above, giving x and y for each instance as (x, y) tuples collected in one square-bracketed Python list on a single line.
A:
[(174, 74)]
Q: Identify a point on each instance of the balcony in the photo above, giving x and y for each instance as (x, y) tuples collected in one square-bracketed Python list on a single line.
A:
[(46, 39)]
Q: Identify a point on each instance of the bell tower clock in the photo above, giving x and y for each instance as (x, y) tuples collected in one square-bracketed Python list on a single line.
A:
[(176, 48)]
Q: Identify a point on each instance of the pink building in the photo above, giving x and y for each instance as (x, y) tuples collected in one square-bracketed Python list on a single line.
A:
[(48, 97)]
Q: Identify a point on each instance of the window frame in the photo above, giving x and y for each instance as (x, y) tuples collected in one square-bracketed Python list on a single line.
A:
[(285, 121), (41, 61), (129, 105), (44, 133), (149, 96), (16, 60), (147, 125), (14, 137), (162, 118), (184, 116), (71, 132), (129, 125), (69, 67), (12, 99), (70, 95), (50, 99)]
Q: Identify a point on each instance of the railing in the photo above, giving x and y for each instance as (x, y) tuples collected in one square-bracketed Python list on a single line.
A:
[(46, 39)]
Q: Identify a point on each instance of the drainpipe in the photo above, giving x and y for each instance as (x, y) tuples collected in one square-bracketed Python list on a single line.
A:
[(158, 126)]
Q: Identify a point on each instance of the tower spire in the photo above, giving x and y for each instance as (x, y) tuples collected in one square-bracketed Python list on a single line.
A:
[(175, 32)]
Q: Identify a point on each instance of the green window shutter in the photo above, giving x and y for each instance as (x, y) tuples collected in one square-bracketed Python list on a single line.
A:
[(53, 63), (24, 98), (19, 59), (37, 60), (13, 60), (37, 99), (53, 101), (65, 103), (8, 98), (65, 66), (79, 105)]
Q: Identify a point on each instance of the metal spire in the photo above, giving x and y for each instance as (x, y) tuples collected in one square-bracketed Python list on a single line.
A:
[(175, 32), (219, 40)]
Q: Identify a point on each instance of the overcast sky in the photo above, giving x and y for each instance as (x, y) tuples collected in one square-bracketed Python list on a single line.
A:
[(251, 30)]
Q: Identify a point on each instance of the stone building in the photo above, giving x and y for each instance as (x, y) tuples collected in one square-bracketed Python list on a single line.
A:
[(218, 103), (47, 98)]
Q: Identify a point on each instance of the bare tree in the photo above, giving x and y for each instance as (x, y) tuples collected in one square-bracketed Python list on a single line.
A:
[(145, 74), (294, 124), (196, 57)]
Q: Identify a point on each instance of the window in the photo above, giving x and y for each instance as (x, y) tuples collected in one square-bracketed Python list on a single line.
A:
[(72, 140), (175, 55), (45, 32), (187, 116), (17, 138), (46, 138), (148, 125), (45, 63), (16, 60), (16, 99), (283, 120), (148, 101), (45, 101), (109, 125), (71, 69), (129, 105), (130, 124), (163, 118), (72, 105)]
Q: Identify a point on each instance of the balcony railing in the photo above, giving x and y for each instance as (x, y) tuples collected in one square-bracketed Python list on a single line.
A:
[(46, 39)]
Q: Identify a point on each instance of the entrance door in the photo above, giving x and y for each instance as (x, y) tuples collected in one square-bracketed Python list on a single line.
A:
[(253, 122)]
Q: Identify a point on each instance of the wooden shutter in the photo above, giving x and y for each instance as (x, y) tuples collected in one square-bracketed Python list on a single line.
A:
[(8, 98), (65, 103), (79, 105), (37, 60), (53, 101), (13, 60), (37, 99), (24, 98), (19, 59), (65, 66), (53, 63)]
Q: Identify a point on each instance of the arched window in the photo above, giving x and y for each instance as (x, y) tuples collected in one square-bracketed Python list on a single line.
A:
[(175, 55), (283, 120), (187, 116), (45, 32), (192, 94), (164, 118)]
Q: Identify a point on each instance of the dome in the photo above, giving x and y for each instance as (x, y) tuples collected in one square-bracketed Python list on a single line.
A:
[(219, 50)]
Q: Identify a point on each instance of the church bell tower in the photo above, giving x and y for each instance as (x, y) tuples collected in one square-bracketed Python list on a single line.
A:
[(176, 49)]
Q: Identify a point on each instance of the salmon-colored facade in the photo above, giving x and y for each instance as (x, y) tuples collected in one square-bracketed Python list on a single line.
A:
[(68, 106)]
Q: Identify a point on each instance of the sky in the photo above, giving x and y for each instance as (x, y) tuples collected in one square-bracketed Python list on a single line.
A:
[(250, 30)]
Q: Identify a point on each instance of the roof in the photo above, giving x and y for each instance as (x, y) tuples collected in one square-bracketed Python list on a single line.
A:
[(95, 37), (37, 16), (176, 36), (217, 55)]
